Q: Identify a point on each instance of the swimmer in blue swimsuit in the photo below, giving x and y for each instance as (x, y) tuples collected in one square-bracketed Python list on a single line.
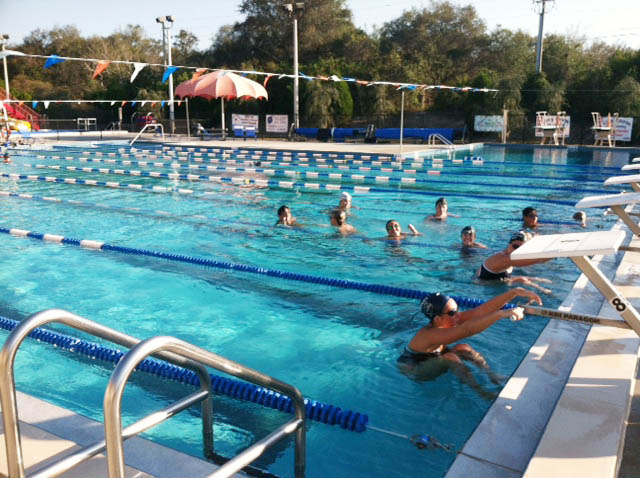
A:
[(499, 266), (430, 353)]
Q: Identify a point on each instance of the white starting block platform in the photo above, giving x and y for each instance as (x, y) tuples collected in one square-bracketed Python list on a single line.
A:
[(616, 202), (630, 179), (631, 167), (578, 246)]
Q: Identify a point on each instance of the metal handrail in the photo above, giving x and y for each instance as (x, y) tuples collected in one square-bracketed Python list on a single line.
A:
[(431, 140), (150, 125), (15, 462), (119, 377)]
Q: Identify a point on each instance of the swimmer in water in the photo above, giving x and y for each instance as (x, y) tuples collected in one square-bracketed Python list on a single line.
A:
[(338, 219), (499, 266), (468, 237), (581, 217), (529, 218), (394, 231), (442, 211), (431, 353), (286, 218)]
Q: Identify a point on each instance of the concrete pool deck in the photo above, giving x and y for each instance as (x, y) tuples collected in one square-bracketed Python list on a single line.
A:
[(564, 411)]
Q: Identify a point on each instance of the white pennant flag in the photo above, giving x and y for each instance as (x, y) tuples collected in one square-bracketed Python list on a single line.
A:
[(142, 104), (46, 104), (113, 103), (137, 68)]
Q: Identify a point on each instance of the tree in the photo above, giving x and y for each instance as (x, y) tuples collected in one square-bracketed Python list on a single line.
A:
[(625, 97)]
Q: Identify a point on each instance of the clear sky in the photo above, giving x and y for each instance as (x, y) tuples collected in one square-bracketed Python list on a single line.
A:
[(612, 21)]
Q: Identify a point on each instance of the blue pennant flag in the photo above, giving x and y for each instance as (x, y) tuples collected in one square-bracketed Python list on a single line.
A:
[(133, 103), (34, 104), (348, 79), (162, 103), (52, 60), (168, 72), (308, 78), (411, 87)]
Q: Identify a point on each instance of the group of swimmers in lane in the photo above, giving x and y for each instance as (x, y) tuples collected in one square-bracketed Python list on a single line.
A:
[(430, 352)]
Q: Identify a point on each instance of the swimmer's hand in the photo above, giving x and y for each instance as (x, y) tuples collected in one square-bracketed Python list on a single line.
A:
[(532, 296), (413, 229), (516, 314)]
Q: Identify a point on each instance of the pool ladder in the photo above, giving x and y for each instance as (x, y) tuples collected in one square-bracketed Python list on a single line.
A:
[(151, 126), (166, 348)]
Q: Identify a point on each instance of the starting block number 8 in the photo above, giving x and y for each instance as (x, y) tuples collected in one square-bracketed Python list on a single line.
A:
[(619, 304)]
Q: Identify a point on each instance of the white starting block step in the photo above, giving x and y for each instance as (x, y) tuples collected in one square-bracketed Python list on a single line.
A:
[(616, 203), (630, 179), (631, 167), (578, 246)]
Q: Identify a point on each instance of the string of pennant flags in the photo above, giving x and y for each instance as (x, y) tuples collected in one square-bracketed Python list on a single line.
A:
[(102, 65), (132, 103)]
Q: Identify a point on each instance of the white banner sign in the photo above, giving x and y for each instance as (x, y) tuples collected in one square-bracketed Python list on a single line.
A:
[(548, 122), (277, 123), (250, 121), (488, 123), (623, 128)]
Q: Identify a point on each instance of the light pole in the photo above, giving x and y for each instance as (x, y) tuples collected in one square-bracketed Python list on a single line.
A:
[(4, 39), (167, 24), (540, 5), (295, 10)]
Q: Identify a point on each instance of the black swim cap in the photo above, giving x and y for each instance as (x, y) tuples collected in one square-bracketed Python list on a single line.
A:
[(519, 236), (433, 304)]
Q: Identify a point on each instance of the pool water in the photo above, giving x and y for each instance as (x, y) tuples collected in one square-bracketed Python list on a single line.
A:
[(337, 346)]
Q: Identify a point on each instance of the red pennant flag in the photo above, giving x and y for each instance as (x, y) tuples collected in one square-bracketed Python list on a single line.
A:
[(102, 65), (362, 82), (20, 103), (198, 73), (153, 103), (124, 103), (266, 80), (179, 102), (325, 78)]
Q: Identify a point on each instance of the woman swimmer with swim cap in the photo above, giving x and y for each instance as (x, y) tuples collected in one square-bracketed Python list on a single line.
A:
[(429, 353)]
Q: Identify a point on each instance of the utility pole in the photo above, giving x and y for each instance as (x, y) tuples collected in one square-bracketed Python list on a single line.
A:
[(540, 7), (295, 10)]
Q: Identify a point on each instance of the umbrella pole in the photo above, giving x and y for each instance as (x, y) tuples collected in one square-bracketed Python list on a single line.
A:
[(224, 130), (187, 107)]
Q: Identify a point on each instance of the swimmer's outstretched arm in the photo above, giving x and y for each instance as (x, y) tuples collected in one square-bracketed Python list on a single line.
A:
[(528, 262), (498, 302), (430, 336), (530, 282), (413, 230)]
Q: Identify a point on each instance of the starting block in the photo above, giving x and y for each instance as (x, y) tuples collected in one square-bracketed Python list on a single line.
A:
[(630, 179), (578, 247), (616, 202)]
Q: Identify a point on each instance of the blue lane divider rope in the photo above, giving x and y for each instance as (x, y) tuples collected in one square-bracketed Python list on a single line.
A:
[(341, 283), (316, 411), (413, 168), (278, 184), (405, 180)]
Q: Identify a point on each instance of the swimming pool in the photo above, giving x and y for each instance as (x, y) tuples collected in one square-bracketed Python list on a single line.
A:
[(336, 345)]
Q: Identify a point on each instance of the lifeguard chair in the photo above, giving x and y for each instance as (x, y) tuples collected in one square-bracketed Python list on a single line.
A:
[(602, 130), (549, 129)]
